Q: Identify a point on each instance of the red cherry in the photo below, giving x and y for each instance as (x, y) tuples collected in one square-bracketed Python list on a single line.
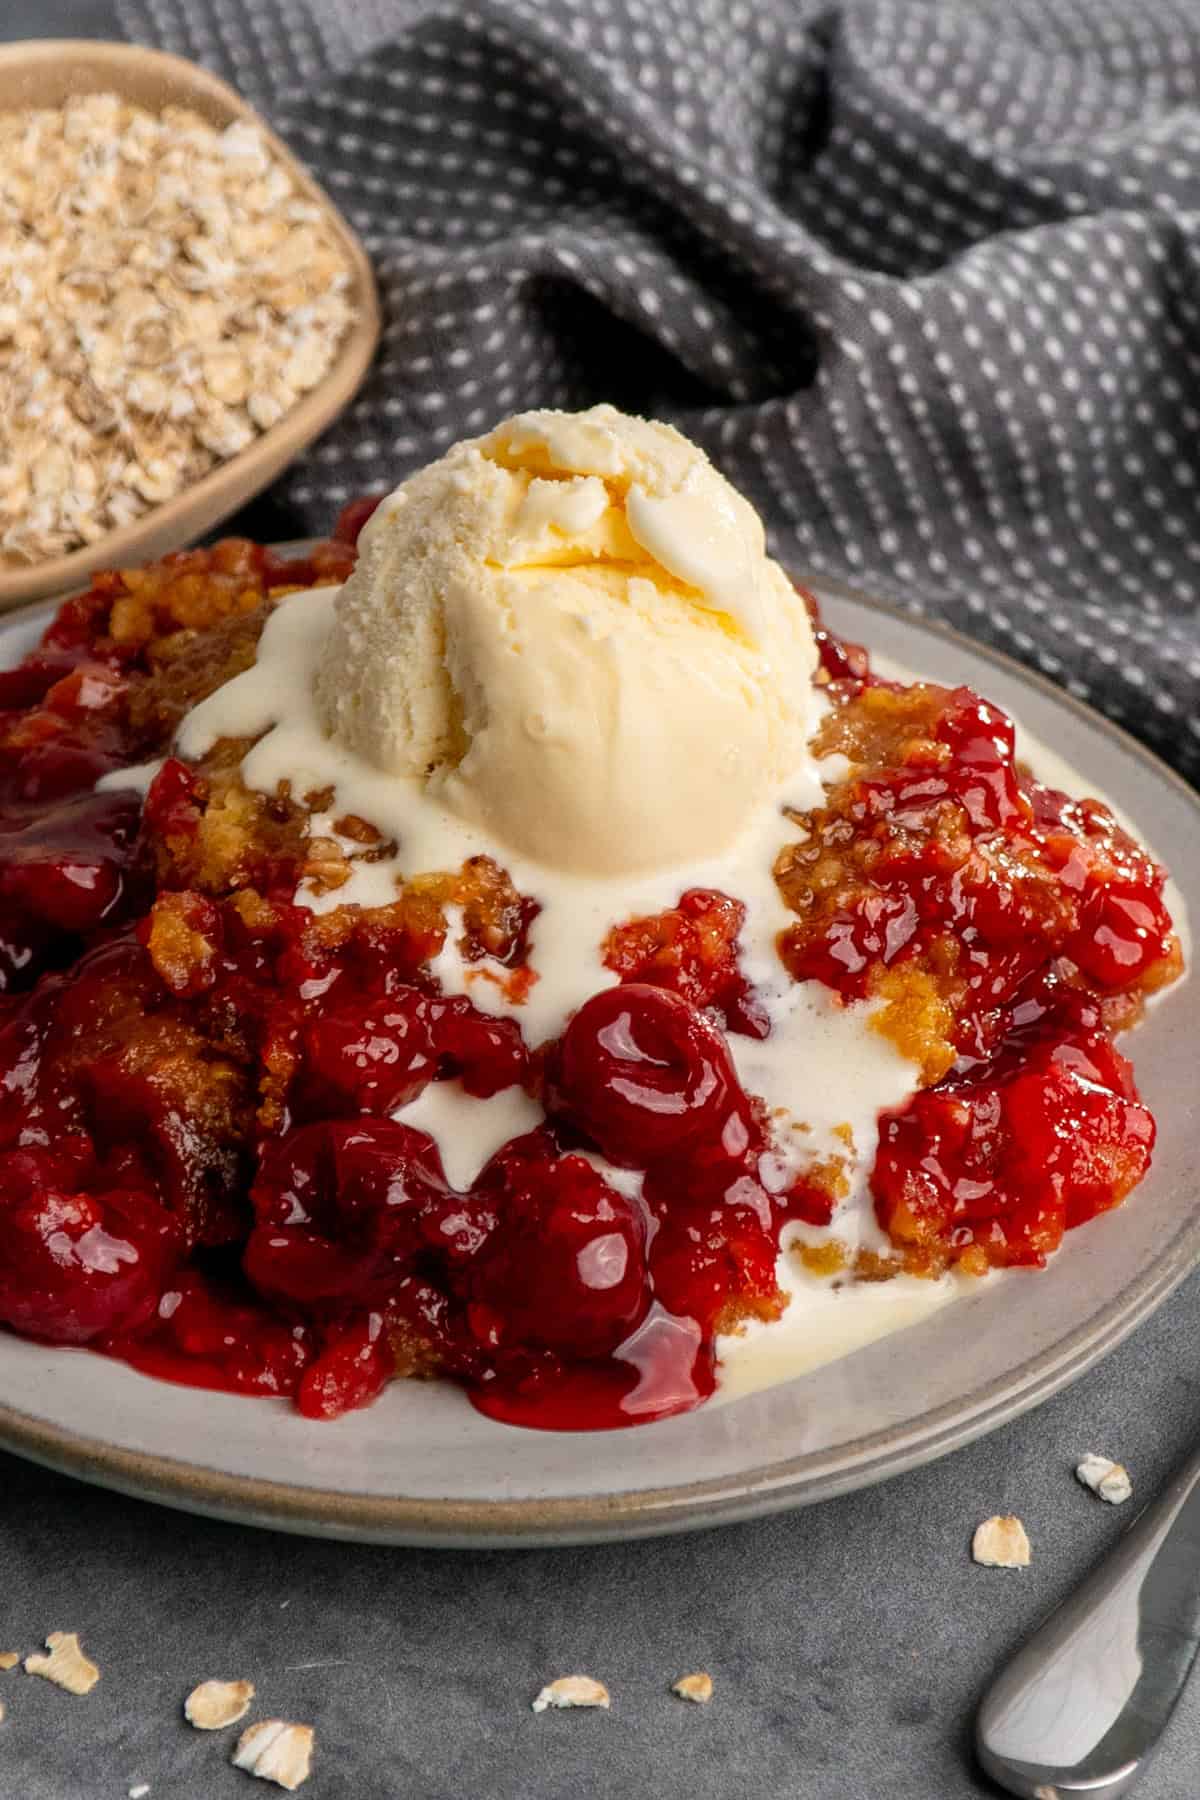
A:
[(982, 739), (351, 1371), (704, 1264), (345, 1209), (1124, 927), (370, 1059), (74, 1264), (642, 1073), (28, 684), (353, 517), (67, 869), (374, 1054), (565, 1268), (172, 806), (486, 1054)]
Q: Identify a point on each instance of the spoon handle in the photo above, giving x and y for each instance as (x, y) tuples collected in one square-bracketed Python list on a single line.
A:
[(1081, 1706)]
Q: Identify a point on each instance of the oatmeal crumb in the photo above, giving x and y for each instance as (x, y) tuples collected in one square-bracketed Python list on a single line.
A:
[(1, 1712), (572, 1690), (66, 1664), (1107, 1478), (140, 1791), (697, 1687), (165, 295), (1001, 1543), (277, 1751), (215, 1704), (9, 1659)]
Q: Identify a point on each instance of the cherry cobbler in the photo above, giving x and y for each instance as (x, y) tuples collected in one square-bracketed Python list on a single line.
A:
[(206, 1059)]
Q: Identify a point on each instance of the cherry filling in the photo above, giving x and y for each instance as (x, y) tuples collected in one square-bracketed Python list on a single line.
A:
[(200, 1170), (1002, 1157), (209, 1331), (344, 1210), (692, 949), (68, 869), (371, 1061), (81, 1253), (569, 1273), (353, 517), (374, 1054), (643, 1075), (951, 862)]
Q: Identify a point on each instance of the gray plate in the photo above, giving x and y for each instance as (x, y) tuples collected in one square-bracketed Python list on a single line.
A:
[(422, 1467)]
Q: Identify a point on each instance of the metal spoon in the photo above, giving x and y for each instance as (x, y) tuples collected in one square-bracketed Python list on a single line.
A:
[(1082, 1705)]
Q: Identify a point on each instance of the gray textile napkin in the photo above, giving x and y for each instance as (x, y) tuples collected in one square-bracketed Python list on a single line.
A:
[(924, 278)]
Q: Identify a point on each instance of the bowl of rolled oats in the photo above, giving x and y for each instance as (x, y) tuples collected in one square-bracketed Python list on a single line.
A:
[(182, 310)]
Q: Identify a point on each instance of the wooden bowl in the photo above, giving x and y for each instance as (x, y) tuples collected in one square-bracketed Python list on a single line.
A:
[(46, 73)]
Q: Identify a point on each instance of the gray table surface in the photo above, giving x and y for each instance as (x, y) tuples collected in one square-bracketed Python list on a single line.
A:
[(848, 1642)]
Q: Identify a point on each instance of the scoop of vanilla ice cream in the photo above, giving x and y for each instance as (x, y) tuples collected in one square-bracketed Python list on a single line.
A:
[(570, 632)]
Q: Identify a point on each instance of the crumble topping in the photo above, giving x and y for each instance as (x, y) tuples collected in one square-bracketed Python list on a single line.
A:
[(9, 1659), (572, 1690), (1110, 1480), (275, 1750), (825, 1259), (1001, 1543), (215, 1704), (66, 1665), (697, 1687)]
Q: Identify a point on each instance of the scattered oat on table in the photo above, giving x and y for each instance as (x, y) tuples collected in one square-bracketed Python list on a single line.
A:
[(1107, 1478), (140, 1791), (1001, 1543), (697, 1687), (215, 1704), (9, 1659), (166, 293), (572, 1690), (66, 1664), (277, 1751)]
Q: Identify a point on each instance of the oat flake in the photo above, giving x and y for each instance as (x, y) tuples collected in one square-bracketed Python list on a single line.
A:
[(164, 297)]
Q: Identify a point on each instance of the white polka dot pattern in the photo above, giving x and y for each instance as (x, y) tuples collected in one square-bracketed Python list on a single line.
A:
[(922, 275)]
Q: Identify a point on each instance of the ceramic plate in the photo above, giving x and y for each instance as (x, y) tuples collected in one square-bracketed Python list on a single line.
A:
[(422, 1467)]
